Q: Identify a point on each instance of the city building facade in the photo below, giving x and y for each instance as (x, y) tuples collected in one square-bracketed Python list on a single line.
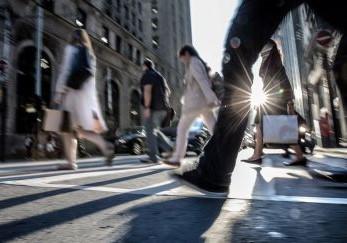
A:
[(123, 32), (309, 68)]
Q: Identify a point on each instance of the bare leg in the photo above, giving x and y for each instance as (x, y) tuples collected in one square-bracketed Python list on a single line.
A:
[(70, 147), (258, 150)]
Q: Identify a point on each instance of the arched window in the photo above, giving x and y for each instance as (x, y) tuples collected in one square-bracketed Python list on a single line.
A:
[(135, 108), (28, 104), (112, 104)]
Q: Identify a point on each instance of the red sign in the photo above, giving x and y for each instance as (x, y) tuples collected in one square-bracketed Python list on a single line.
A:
[(324, 38)]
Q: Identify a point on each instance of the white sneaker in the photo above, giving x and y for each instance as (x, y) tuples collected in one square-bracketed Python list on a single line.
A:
[(68, 166)]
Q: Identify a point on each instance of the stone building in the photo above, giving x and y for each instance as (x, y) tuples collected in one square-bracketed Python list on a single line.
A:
[(124, 33)]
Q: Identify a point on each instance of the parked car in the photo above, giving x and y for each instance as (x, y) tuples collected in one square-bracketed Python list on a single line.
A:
[(307, 140), (197, 138), (133, 140)]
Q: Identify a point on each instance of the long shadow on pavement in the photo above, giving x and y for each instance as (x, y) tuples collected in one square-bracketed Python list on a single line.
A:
[(178, 220), (33, 197), (19, 228)]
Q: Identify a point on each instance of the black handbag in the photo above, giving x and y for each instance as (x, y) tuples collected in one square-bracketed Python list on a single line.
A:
[(80, 70)]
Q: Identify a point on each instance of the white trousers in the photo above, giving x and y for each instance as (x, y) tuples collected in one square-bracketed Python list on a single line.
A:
[(70, 144), (184, 124)]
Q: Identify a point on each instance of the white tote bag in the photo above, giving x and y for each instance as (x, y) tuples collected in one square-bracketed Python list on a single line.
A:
[(280, 129), (52, 120)]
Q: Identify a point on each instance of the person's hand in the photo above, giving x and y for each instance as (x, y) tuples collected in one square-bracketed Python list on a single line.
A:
[(147, 113), (58, 98)]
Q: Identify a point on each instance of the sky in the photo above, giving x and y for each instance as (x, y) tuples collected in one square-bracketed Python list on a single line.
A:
[(210, 22)]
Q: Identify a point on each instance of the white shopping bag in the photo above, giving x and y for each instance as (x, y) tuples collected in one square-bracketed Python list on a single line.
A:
[(52, 121), (280, 129)]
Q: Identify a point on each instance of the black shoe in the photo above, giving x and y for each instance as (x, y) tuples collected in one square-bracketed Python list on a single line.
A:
[(193, 180), (254, 161), (148, 161), (301, 162)]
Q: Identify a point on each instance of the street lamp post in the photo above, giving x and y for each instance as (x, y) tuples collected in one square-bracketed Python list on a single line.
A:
[(3, 79)]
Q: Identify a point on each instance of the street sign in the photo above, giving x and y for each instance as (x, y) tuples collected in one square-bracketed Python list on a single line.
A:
[(324, 38)]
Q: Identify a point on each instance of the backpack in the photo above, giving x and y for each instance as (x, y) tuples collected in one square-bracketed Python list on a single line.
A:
[(81, 69)]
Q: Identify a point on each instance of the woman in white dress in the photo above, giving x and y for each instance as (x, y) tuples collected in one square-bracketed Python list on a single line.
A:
[(82, 104), (198, 100)]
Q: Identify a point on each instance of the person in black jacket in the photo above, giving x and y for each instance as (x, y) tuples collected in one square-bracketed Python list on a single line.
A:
[(252, 27), (155, 100)]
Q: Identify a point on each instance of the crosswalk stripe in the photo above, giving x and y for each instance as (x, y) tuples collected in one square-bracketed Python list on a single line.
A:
[(182, 191)]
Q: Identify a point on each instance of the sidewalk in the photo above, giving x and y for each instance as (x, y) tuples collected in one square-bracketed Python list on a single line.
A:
[(330, 162), (332, 151)]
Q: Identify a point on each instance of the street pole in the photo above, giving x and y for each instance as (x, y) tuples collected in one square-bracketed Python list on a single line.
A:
[(38, 74), (336, 125), (3, 80), (331, 99), (39, 28)]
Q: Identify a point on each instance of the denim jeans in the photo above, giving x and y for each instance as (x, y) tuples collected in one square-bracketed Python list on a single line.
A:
[(253, 25), (155, 138)]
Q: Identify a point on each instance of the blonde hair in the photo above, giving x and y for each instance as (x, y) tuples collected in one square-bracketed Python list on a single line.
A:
[(81, 37)]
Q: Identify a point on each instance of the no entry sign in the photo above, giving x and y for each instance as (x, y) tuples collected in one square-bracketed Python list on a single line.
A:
[(324, 38)]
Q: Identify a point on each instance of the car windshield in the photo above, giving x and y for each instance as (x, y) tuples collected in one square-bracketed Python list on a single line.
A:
[(197, 125)]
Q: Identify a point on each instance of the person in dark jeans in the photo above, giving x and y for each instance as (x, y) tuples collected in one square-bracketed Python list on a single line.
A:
[(155, 100), (253, 25)]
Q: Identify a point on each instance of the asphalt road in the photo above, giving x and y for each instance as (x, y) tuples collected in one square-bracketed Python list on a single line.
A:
[(134, 202)]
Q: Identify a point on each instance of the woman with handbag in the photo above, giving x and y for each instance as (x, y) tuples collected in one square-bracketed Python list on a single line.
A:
[(199, 100), (77, 94)]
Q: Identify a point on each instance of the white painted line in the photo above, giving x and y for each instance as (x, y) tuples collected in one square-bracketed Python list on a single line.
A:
[(115, 168), (181, 191)]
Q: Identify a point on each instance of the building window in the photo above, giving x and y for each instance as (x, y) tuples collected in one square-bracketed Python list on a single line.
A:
[(135, 108), (118, 6), (138, 57), (105, 36), (130, 52), (133, 19), (48, 5), (119, 44), (155, 42), (155, 24), (154, 7), (126, 12), (140, 25), (139, 7), (81, 18), (108, 7)]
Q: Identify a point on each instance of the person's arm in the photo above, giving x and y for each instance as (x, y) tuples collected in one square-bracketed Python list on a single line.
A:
[(147, 99), (147, 89), (200, 75)]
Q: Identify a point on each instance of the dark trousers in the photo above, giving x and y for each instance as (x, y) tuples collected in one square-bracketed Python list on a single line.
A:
[(254, 24)]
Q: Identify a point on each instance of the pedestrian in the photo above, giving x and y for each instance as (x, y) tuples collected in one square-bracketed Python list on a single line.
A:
[(155, 100), (325, 128), (277, 90), (82, 104), (254, 24), (29, 144), (50, 146), (300, 158), (199, 100)]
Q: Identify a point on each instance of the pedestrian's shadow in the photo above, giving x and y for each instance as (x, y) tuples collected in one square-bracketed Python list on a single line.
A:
[(178, 220)]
